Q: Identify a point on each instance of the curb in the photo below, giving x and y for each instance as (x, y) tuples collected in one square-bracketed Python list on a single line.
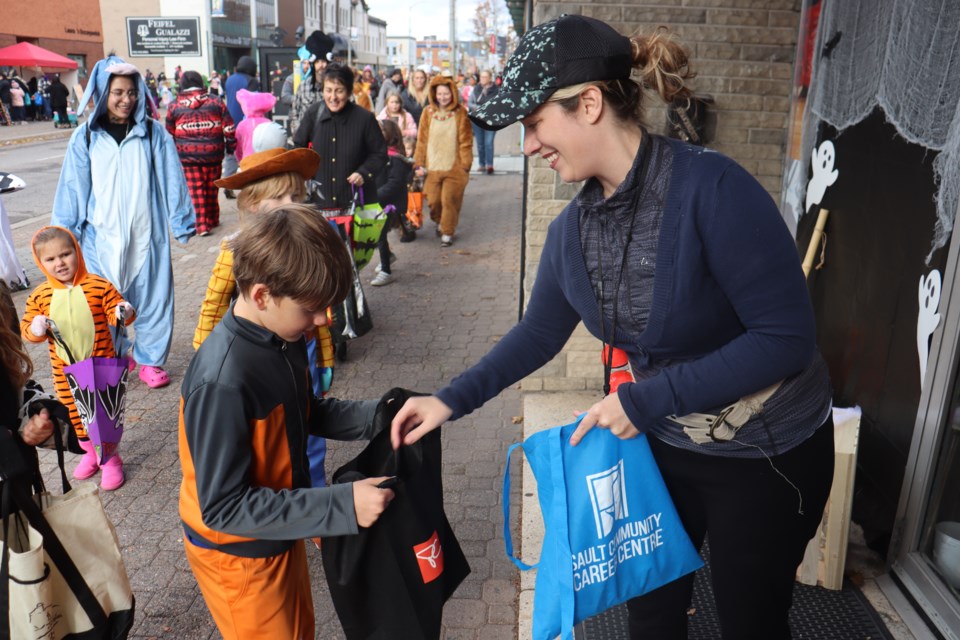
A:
[(46, 137)]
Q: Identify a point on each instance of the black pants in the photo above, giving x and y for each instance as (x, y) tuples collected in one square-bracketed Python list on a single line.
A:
[(757, 536), (393, 220)]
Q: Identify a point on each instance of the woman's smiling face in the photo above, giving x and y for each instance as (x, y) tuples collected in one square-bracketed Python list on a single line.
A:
[(121, 98), (335, 95), (444, 96), (557, 137)]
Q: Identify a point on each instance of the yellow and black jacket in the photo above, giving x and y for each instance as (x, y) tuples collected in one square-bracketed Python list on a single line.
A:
[(83, 312), (245, 412)]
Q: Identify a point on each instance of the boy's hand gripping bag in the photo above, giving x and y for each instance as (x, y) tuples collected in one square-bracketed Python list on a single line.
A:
[(611, 530), (391, 580)]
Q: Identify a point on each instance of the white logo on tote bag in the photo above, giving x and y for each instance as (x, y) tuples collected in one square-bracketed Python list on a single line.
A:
[(608, 496)]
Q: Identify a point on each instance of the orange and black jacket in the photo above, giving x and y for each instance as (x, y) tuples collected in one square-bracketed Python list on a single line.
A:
[(245, 411)]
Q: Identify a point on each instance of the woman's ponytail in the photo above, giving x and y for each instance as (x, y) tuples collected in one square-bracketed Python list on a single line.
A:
[(664, 67), (663, 63)]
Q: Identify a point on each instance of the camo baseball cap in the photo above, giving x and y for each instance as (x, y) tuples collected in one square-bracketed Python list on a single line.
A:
[(560, 53)]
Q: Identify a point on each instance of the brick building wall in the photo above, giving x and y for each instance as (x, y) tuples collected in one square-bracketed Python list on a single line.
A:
[(67, 28), (743, 52)]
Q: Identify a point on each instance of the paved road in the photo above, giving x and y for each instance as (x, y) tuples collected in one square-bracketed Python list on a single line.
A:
[(446, 309), (39, 166)]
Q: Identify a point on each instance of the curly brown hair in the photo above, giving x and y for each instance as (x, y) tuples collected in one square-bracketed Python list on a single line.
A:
[(14, 358)]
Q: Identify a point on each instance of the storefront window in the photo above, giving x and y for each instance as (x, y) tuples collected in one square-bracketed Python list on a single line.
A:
[(940, 543), (81, 61)]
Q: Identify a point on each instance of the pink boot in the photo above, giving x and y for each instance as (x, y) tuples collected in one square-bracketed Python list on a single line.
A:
[(112, 476), (88, 463)]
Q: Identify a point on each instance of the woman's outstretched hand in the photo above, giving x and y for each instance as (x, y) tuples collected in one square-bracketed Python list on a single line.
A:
[(606, 414), (416, 418)]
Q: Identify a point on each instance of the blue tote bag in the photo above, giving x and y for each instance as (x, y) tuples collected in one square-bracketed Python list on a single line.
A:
[(611, 530)]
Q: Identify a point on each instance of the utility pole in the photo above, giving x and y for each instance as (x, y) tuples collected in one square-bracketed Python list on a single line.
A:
[(253, 30), (208, 29), (350, 36), (496, 37), (453, 37)]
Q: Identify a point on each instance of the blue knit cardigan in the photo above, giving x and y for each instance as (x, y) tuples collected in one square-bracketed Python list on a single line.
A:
[(730, 302)]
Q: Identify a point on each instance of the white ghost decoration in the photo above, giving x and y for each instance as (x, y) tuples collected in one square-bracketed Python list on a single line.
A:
[(824, 174), (928, 318)]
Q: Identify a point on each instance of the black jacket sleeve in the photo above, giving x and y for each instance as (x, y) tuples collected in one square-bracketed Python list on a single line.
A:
[(373, 140), (392, 188), (376, 158)]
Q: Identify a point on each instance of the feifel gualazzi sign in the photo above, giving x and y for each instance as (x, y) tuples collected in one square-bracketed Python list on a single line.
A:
[(151, 37)]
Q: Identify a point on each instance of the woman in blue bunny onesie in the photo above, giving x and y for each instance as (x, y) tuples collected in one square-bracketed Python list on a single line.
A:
[(120, 186)]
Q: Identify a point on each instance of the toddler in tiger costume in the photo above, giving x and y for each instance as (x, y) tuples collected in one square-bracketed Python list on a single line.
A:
[(83, 306)]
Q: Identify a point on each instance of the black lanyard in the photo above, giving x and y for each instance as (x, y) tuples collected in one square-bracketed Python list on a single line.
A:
[(608, 344)]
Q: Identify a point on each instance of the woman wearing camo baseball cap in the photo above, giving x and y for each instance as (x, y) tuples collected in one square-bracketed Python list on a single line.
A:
[(678, 256)]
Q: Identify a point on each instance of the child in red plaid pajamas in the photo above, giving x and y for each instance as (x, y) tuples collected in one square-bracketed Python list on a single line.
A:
[(203, 130)]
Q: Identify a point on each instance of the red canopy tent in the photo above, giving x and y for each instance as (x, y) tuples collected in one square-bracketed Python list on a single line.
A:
[(24, 54)]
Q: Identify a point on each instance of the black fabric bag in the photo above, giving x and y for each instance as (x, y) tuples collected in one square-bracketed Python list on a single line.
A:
[(390, 581)]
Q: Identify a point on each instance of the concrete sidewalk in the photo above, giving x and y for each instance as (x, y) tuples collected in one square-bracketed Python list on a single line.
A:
[(447, 308), (32, 133)]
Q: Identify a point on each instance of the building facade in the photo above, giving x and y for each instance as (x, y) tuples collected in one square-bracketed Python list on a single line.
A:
[(434, 53), (73, 29), (351, 19), (402, 52), (162, 34)]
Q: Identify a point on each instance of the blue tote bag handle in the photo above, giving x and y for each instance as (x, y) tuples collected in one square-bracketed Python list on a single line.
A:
[(559, 506), (507, 538)]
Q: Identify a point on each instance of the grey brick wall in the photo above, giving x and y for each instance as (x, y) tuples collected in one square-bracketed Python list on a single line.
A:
[(743, 52)]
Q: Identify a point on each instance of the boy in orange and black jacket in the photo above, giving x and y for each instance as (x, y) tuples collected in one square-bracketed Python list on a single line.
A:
[(246, 408)]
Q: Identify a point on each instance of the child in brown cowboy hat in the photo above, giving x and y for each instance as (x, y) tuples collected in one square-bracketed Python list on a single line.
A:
[(265, 180)]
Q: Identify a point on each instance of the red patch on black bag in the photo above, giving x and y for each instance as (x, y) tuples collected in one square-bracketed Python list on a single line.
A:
[(430, 558)]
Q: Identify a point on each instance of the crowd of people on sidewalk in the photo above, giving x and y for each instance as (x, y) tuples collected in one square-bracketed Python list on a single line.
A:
[(40, 98), (141, 166), (285, 290)]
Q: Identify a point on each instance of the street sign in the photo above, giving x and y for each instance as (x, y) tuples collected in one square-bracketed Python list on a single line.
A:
[(153, 37)]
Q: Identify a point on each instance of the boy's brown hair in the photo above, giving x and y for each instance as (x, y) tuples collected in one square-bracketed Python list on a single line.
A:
[(275, 186), (297, 254)]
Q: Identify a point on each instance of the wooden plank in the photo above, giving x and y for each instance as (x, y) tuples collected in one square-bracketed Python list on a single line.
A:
[(826, 555)]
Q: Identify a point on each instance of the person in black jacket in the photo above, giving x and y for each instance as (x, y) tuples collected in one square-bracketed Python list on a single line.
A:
[(348, 140), (59, 96), (481, 93), (19, 434), (6, 100), (392, 187)]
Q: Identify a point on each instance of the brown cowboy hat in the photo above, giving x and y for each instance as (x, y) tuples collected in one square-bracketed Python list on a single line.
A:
[(270, 163)]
